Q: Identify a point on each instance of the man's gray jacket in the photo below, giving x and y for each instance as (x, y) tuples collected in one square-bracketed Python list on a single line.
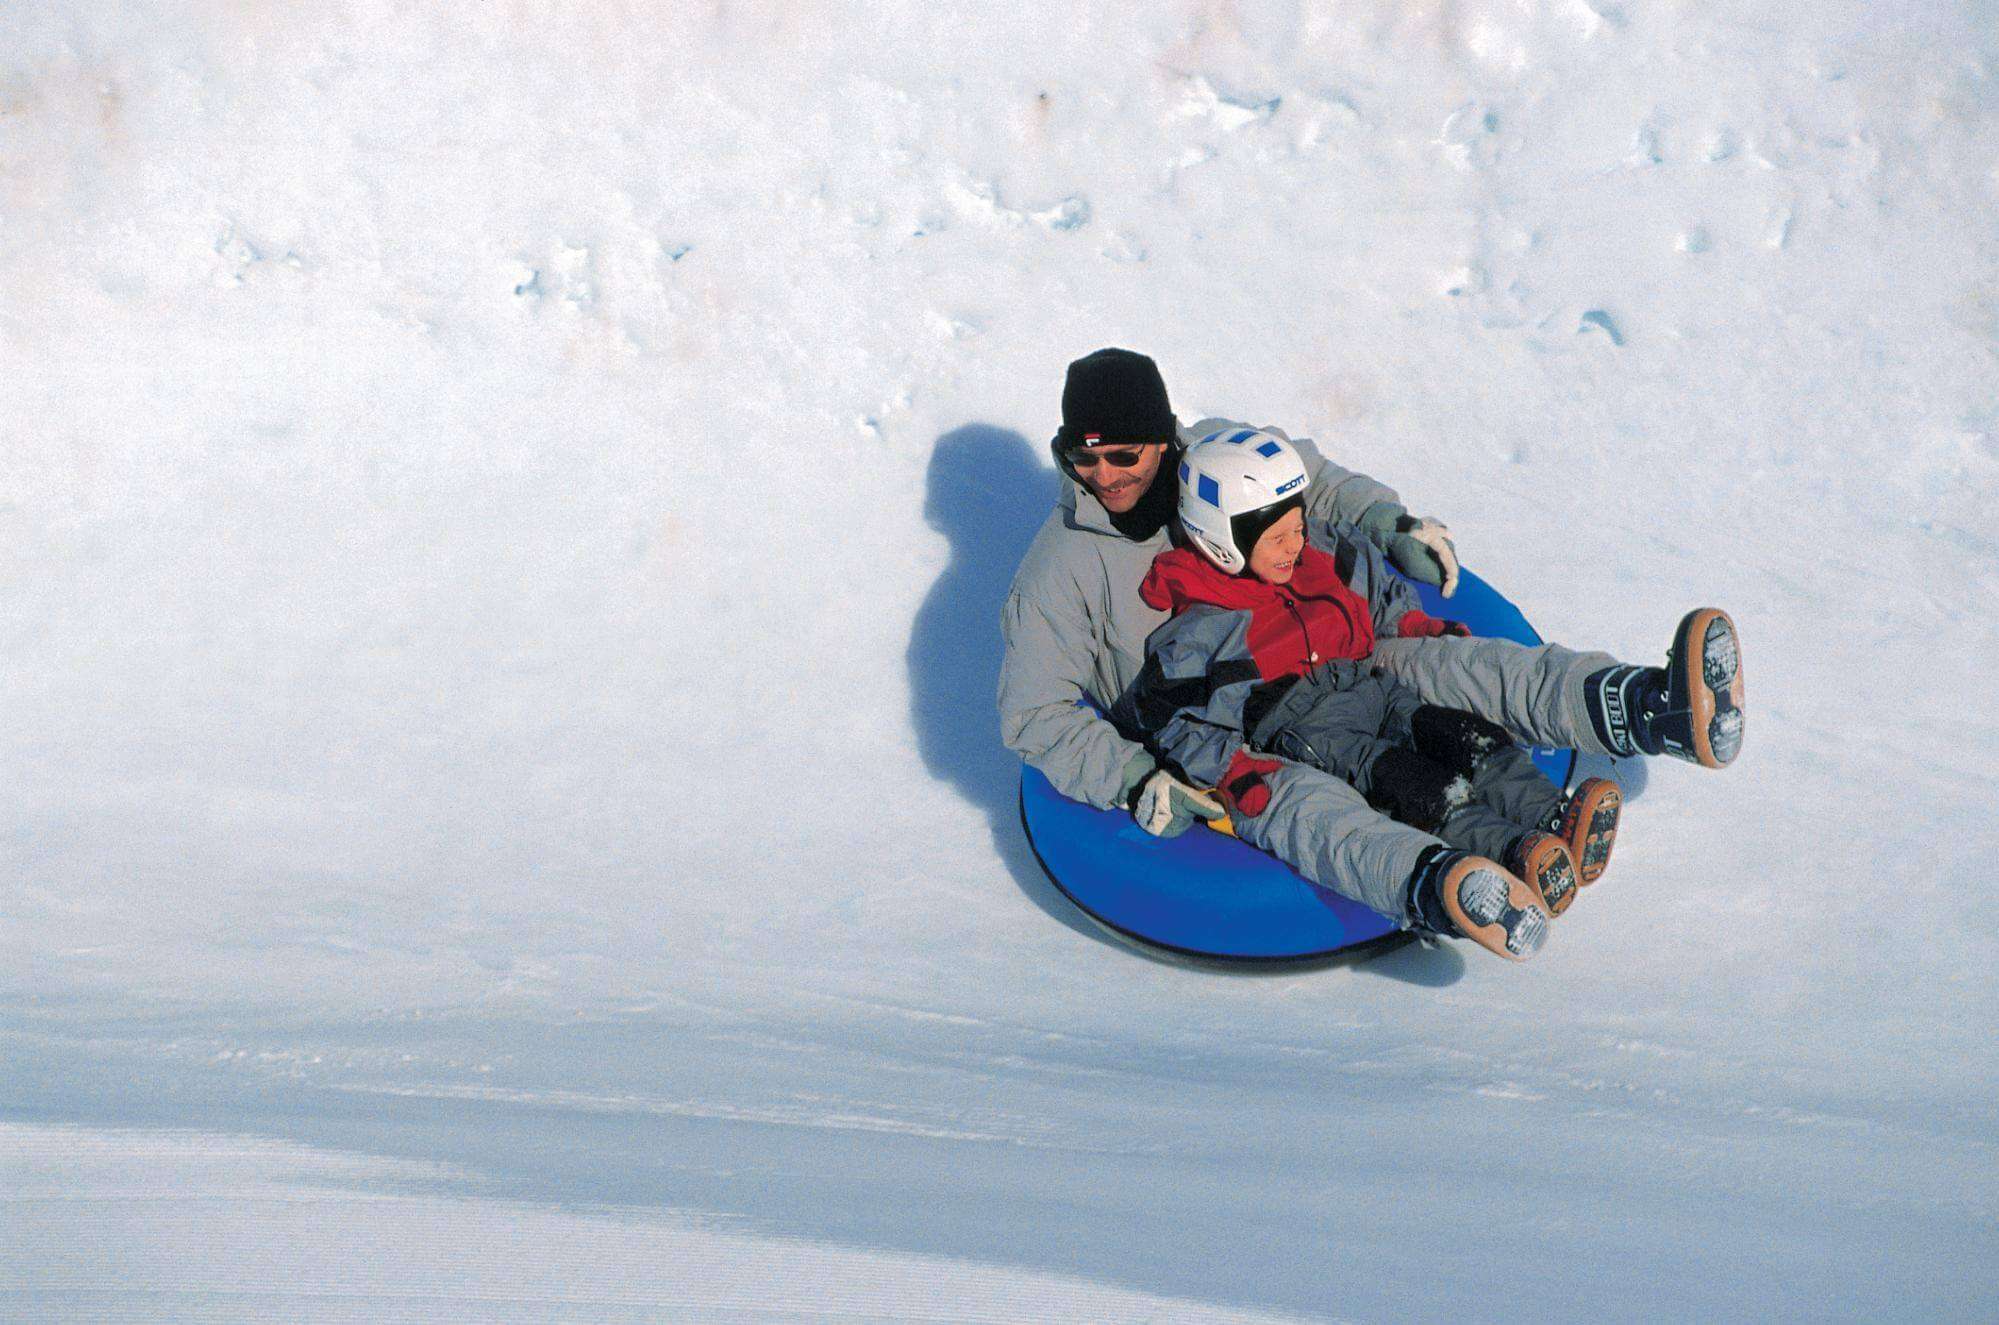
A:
[(1075, 626)]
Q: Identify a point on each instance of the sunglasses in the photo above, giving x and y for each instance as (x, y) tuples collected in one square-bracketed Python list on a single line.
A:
[(1124, 458)]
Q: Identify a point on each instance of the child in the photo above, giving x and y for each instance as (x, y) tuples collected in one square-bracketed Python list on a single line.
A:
[(1266, 652)]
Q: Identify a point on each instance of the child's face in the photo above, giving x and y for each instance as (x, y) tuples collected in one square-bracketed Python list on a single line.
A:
[(1274, 560)]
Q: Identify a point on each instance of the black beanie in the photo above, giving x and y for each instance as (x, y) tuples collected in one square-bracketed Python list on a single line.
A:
[(1114, 396)]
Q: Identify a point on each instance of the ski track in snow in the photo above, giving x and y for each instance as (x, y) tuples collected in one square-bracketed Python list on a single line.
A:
[(503, 517)]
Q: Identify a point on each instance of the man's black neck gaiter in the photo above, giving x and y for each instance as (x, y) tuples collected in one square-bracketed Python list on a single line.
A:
[(1157, 507)]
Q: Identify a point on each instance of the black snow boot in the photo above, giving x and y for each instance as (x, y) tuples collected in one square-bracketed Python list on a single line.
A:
[(1691, 708), (1458, 895), (1458, 740)]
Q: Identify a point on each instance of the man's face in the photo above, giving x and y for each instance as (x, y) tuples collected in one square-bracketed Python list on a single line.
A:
[(1118, 485)]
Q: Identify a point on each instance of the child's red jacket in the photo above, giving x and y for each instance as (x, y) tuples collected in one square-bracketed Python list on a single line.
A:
[(1291, 627), (1230, 635)]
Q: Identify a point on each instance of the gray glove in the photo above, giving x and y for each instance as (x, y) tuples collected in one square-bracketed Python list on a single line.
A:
[(1167, 807), (1420, 548)]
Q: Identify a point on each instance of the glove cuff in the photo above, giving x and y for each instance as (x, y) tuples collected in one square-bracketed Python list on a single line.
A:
[(1132, 780), (1243, 789), (1380, 521), (1418, 624)]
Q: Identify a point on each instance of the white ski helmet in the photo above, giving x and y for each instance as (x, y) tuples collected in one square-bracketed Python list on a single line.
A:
[(1235, 484)]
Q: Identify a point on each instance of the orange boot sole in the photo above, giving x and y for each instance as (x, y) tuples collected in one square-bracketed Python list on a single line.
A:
[(1705, 679), (1548, 867), (1495, 909), (1589, 826)]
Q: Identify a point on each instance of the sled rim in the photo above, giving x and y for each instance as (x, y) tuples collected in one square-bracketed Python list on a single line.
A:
[(1345, 954)]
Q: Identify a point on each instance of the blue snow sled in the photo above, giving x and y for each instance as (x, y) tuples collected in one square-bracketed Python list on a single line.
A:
[(1204, 894)]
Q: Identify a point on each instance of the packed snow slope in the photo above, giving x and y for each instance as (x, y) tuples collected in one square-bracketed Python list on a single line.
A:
[(503, 510)]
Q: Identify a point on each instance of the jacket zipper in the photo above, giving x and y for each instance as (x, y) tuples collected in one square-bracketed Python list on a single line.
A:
[(1311, 654)]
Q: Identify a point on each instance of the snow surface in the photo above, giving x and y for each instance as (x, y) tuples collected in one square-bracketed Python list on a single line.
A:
[(502, 513)]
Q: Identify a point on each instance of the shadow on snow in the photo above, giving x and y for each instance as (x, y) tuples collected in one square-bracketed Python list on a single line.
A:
[(988, 493)]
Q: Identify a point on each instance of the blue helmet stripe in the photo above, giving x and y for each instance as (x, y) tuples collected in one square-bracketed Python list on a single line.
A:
[(1210, 491), (1268, 449)]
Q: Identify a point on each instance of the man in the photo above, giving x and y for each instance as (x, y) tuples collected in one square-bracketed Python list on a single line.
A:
[(1075, 631)]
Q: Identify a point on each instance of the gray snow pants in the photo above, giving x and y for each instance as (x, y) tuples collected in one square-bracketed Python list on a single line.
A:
[(1508, 797), (1324, 829), (1534, 692), (1341, 718)]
